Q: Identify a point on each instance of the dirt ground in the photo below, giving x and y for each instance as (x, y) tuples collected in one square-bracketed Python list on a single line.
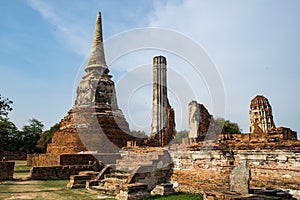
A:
[(24, 188)]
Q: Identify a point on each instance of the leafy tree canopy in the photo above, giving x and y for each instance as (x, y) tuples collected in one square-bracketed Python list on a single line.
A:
[(228, 126), (5, 106), (181, 134), (139, 134), (46, 137), (9, 134), (30, 135)]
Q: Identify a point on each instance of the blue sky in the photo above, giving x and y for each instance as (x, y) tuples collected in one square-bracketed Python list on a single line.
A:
[(253, 43)]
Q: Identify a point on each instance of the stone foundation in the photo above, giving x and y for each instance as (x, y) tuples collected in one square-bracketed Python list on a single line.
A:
[(57, 172), (7, 170), (56, 159)]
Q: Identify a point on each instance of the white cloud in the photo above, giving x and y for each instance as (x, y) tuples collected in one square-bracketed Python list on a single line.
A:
[(70, 29)]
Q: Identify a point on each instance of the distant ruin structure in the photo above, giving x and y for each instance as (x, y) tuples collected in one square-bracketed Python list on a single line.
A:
[(199, 121), (163, 117), (261, 117)]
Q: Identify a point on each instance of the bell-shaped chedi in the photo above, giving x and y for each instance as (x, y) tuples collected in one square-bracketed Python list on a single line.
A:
[(95, 123), (261, 117)]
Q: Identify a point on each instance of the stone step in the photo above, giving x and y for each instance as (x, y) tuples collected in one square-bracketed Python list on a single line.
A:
[(88, 173), (116, 171), (112, 181), (134, 187), (126, 168), (103, 190), (134, 163), (80, 177), (117, 176), (140, 157), (78, 181)]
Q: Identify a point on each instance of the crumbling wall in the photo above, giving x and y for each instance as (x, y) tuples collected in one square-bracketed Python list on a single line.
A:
[(199, 120), (57, 159), (197, 170), (164, 136), (6, 170), (57, 172)]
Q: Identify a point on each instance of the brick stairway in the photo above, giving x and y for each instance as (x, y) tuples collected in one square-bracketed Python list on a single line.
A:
[(132, 177)]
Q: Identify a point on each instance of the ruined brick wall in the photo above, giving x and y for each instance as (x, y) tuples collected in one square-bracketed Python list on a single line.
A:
[(7, 170), (197, 170), (269, 168), (164, 136), (43, 159), (57, 172), (57, 159), (282, 133), (275, 134), (76, 159), (199, 120)]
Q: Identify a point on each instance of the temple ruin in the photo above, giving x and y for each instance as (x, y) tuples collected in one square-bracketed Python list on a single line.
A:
[(163, 116), (95, 126), (261, 117), (95, 121), (199, 121), (95, 149)]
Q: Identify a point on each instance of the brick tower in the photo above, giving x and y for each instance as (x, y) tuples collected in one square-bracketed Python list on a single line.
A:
[(95, 123), (163, 122), (261, 117)]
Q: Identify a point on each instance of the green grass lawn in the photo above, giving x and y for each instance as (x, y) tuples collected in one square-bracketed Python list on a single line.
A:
[(22, 170)]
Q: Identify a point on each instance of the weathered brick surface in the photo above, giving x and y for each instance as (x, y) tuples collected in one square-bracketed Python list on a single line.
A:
[(43, 159), (195, 171), (6, 170), (93, 129), (57, 172), (199, 170), (57, 159), (164, 136)]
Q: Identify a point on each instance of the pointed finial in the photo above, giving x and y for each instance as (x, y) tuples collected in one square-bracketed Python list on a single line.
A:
[(97, 57)]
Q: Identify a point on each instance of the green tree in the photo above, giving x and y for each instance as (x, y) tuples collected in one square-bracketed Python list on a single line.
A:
[(46, 137), (30, 135), (9, 135), (181, 134), (228, 126), (5, 106), (139, 134)]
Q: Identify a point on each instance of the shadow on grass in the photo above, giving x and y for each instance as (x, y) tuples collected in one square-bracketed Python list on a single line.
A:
[(177, 196), (24, 192)]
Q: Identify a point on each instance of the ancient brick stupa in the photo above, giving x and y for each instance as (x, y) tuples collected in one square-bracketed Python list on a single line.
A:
[(95, 123), (261, 117)]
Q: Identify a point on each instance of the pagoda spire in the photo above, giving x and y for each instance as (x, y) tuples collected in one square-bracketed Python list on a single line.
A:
[(97, 57)]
